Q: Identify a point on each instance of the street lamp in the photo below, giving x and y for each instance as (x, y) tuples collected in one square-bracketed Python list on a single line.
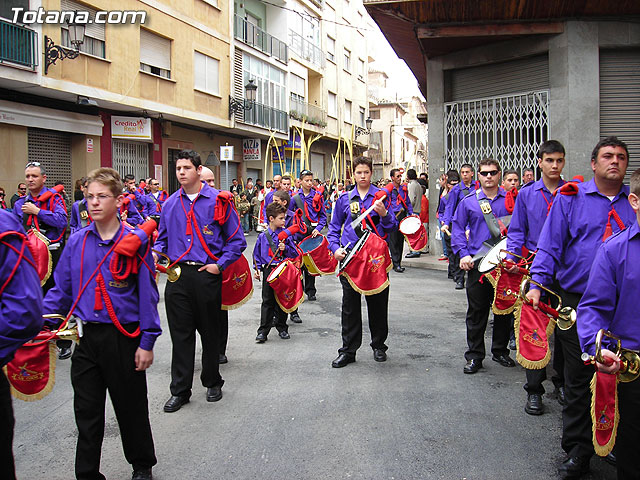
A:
[(362, 131), (53, 52), (247, 102)]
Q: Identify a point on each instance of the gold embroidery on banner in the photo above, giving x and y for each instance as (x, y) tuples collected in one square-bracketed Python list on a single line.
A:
[(238, 280), (376, 262)]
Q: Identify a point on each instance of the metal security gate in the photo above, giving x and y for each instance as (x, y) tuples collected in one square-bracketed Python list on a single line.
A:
[(620, 100), (507, 128), (53, 150), (131, 158)]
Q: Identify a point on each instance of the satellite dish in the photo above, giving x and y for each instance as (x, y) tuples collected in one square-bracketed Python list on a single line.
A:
[(213, 160)]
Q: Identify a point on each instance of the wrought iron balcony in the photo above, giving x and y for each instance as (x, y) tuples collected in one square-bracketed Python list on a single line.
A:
[(264, 116), (306, 50), (18, 45), (311, 114), (256, 37)]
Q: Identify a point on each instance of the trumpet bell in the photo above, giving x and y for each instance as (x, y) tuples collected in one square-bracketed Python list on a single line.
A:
[(630, 366), (173, 273), (566, 318), (70, 333)]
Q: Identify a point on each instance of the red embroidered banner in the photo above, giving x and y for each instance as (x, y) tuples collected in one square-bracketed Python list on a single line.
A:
[(533, 329), (604, 411), (237, 286), (31, 373)]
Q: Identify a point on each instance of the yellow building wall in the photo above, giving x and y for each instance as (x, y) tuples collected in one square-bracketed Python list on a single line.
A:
[(184, 23), (13, 139)]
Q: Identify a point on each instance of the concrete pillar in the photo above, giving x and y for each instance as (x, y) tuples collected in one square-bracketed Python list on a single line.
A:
[(435, 111), (574, 107)]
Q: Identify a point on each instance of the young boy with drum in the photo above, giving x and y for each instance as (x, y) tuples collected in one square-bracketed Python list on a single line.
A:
[(119, 309), (342, 236), (268, 253)]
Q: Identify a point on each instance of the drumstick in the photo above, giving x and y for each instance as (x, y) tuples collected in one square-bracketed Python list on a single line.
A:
[(355, 223), (272, 258)]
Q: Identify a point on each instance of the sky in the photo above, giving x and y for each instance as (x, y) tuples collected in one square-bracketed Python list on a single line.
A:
[(401, 79)]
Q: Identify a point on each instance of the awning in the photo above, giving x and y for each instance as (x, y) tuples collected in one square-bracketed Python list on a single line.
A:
[(48, 118)]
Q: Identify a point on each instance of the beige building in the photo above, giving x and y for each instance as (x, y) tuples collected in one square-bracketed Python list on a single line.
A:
[(398, 136), (137, 93), (134, 96)]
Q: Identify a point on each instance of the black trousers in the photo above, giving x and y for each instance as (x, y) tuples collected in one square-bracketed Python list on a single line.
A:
[(628, 437), (309, 282), (536, 377), (7, 422), (224, 331), (193, 304), (396, 246), (576, 417), (480, 298), (454, 270), (377, 311), (270, 312), (104, 361)]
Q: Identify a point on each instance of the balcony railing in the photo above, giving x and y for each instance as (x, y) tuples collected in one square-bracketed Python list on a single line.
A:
[(265, 116), (312, 114), (18, 45), (306, 50), (256, 37)]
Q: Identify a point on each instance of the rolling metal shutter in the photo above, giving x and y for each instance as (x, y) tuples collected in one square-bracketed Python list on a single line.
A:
[(155, 50), (53, 150), (496, 79), (620, 100)]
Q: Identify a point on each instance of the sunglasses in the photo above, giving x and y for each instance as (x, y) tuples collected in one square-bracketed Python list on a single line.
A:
[(489, 173), (32, 164)]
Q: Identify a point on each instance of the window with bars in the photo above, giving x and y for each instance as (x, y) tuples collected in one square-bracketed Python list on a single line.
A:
[(131, 158), (508, 128)]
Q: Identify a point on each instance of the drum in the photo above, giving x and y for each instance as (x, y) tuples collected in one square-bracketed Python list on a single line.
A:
[(316, 255), (237, 286), (286, 281), (414, 232), (492, 259), (367, 265)]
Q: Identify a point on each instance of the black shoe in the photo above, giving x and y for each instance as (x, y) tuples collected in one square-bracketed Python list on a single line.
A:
[(214, 394), (175, 403), (142, 474), (398, 269), (223, 358), (64, 353), (311, 298), (560, 395), (379, 355), (472, 366), (261, 338), (534, 404), (284, 335), (459, 285), (504, 360), (295, 318), (343, 360), (412, 255), (574, 467), (610, 459)]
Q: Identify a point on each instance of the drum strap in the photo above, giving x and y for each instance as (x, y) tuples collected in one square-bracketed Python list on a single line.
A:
[(85, 218), (272, 245), (355, 211), (491, 220), (302, 205)]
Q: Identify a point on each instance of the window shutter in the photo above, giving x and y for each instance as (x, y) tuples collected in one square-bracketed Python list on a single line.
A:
[(154, 50), (92, 29)]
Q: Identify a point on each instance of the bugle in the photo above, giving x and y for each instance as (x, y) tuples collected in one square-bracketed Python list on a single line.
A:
[(564, 317), (172, 271), (72, 330), (629, 359)]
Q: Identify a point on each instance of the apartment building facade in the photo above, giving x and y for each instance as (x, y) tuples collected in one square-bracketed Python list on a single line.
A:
[(138, 93)]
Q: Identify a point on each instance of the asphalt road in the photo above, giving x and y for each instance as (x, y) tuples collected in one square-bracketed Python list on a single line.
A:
[(286, 414)]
